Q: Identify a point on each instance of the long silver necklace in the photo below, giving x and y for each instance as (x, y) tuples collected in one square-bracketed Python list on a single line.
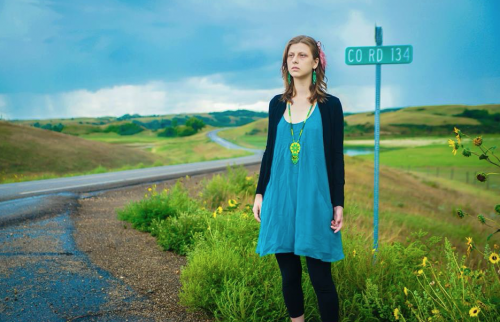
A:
[(295, 146)]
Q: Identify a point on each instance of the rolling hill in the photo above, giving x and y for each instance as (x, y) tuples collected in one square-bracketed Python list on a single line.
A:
[(30, 150)]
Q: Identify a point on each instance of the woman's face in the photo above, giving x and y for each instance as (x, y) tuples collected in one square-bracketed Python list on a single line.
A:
[(300, 60)]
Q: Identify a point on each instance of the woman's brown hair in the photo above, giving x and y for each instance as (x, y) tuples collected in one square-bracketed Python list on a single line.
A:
[(318, 90)]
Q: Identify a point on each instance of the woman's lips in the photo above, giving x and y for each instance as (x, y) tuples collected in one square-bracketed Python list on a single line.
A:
[(295, 68)]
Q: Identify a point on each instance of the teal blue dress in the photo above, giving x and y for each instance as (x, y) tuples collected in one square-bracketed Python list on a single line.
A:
[(296, 211)]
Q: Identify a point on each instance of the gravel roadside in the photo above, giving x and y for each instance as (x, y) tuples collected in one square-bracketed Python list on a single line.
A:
[(134, 256)]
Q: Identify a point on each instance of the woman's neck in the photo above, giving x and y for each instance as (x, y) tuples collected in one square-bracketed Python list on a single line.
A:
[(302, 91)]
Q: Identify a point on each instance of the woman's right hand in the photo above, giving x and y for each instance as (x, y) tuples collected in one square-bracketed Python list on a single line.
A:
[(257, 205)]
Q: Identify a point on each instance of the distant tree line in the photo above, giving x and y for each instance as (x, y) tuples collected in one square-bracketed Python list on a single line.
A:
[(49, 126), (124, 129), (192, 126), (482, 116)]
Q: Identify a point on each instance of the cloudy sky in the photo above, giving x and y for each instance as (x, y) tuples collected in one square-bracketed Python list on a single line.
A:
[(109, 57)]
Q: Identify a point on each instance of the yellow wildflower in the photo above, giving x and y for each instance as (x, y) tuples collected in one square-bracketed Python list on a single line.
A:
[(406, 291), (478, 141), (458, 134), (420, 272), (354, 253), (454, 145), (396, 312), (373, 250), (219, 209), (494, 258), (469, 243), (248, 178), (149, 189), (435, 311), (215, 214), (474, 311), (496, 246), (424, 261), (232, 202)]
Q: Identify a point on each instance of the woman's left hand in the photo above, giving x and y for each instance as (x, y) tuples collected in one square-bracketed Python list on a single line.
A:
[(338, 214)]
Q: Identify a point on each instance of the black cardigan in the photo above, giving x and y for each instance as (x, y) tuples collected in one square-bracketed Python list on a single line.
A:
[(332, 118)]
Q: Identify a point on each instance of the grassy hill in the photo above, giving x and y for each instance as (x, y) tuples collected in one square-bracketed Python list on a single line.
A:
[(29, 153), (32, 151), (426, 120), (409, 122)]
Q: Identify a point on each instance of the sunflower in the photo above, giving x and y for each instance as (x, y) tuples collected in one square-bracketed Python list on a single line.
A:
[(469, 245), (458, 134), (454, 145), (482, 177), (474, 311), (396, 313), (494, 258)]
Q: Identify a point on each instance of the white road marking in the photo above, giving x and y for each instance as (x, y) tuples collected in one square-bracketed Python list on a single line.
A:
[(83, 185)]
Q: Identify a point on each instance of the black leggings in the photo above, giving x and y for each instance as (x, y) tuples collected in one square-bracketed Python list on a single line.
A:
[(321, 279)]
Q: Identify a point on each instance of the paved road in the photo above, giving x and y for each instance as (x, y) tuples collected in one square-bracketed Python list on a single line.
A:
[(43, 276)]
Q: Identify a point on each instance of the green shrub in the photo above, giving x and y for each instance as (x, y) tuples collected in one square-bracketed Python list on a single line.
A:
[(177, 233), (124, 129), (157, 206), (225, 276), (221, 188)]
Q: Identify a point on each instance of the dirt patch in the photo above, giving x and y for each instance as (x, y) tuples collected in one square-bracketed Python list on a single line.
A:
[(134, 256)]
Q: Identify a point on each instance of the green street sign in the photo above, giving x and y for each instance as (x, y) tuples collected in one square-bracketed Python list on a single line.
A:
[(370, 55)]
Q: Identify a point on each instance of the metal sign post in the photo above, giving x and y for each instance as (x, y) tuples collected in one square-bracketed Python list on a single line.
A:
[(378, 55)]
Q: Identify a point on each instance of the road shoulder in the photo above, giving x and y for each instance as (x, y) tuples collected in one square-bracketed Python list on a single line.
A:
[(134, 256)]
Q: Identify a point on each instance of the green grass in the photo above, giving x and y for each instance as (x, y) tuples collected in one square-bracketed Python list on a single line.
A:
[(225, 277)]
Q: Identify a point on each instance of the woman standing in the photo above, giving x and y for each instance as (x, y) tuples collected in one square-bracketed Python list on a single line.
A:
[(300, 194)]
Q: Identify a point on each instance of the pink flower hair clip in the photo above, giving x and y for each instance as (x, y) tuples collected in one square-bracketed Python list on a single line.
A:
[(322, 56)]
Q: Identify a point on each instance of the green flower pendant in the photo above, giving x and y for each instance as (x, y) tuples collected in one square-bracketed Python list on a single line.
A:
[(295, 149)]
